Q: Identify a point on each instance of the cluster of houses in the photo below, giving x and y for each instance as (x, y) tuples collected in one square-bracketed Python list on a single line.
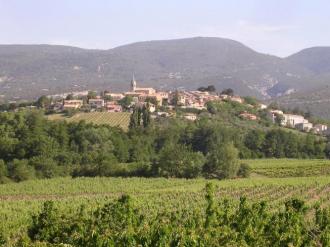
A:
[(298, 122), (110, 102), (139, 95)]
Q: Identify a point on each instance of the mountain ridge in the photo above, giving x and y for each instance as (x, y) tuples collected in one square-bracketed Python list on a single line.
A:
[(28, 71)]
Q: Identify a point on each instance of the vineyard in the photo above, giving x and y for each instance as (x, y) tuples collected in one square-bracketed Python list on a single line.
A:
[(289, 167), (20, 200), (113, 119)]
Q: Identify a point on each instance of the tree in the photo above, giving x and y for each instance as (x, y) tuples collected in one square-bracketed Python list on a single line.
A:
[(69, 97), (152, 100), (20, 170), (45, 167), (210, 88), (254, 141), (126, 102), (244, 171), (176, 160), (308, 114), (91, 95), (211, 108), (228, 91), (140, 117), (251, 100), (273, 106), (175, 99), (108, 97), (43, 102), (279, 118), (3, 172), (134, 119), (222, 162), (146, 118), (12, 106)]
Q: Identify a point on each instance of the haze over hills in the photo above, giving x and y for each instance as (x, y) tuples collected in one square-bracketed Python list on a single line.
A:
[(28, 71), (316, 59), (317, 97)]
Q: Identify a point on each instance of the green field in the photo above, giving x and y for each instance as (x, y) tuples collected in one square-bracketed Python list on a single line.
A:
[(289, 167), (18, 201), (113, 119), (273, 181)]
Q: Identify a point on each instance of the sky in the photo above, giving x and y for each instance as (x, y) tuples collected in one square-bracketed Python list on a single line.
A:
[(278, 27)]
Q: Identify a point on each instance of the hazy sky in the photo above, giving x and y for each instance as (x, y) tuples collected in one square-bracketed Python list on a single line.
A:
[(279, 27)]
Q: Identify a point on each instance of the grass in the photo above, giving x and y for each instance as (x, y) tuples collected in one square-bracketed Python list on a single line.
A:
[(120, 119)]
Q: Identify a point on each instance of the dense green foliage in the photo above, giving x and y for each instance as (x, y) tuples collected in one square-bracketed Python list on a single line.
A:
[(33, 147), (224, 223)]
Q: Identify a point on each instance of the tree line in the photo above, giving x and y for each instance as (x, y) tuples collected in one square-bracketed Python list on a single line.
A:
[(33, 147)]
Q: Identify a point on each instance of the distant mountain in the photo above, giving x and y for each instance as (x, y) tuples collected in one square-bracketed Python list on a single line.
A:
[(317, 101), (27, 71), (316, 96), (316, 59)]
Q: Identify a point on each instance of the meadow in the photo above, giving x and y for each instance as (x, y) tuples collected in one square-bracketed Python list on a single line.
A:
[(18, 201), (113, 119)]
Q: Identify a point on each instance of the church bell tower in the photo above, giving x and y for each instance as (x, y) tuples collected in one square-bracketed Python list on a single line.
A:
[(133, 84)]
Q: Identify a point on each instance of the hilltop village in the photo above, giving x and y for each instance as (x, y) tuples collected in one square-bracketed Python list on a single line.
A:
[(165, 103), (162, 103)]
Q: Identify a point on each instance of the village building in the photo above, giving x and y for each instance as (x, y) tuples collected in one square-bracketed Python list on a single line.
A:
[(72, 104), (154, 97), (320, 128), (163, 95), (236, 99), (305, 126), (248, 116), (132, 94), (291, 120), (190, 116), (179, 96), (113, 106), (57, 106), (273, 113), (200, 93), (96, 103), (223, 96), (115, 96), (162, 114), (151, 107), (276, 112), (141, 90)]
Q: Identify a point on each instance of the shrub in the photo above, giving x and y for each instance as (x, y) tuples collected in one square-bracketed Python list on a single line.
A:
[(244, 170)]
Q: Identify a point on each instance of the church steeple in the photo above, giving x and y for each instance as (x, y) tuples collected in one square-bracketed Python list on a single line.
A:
[(133, 83)]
